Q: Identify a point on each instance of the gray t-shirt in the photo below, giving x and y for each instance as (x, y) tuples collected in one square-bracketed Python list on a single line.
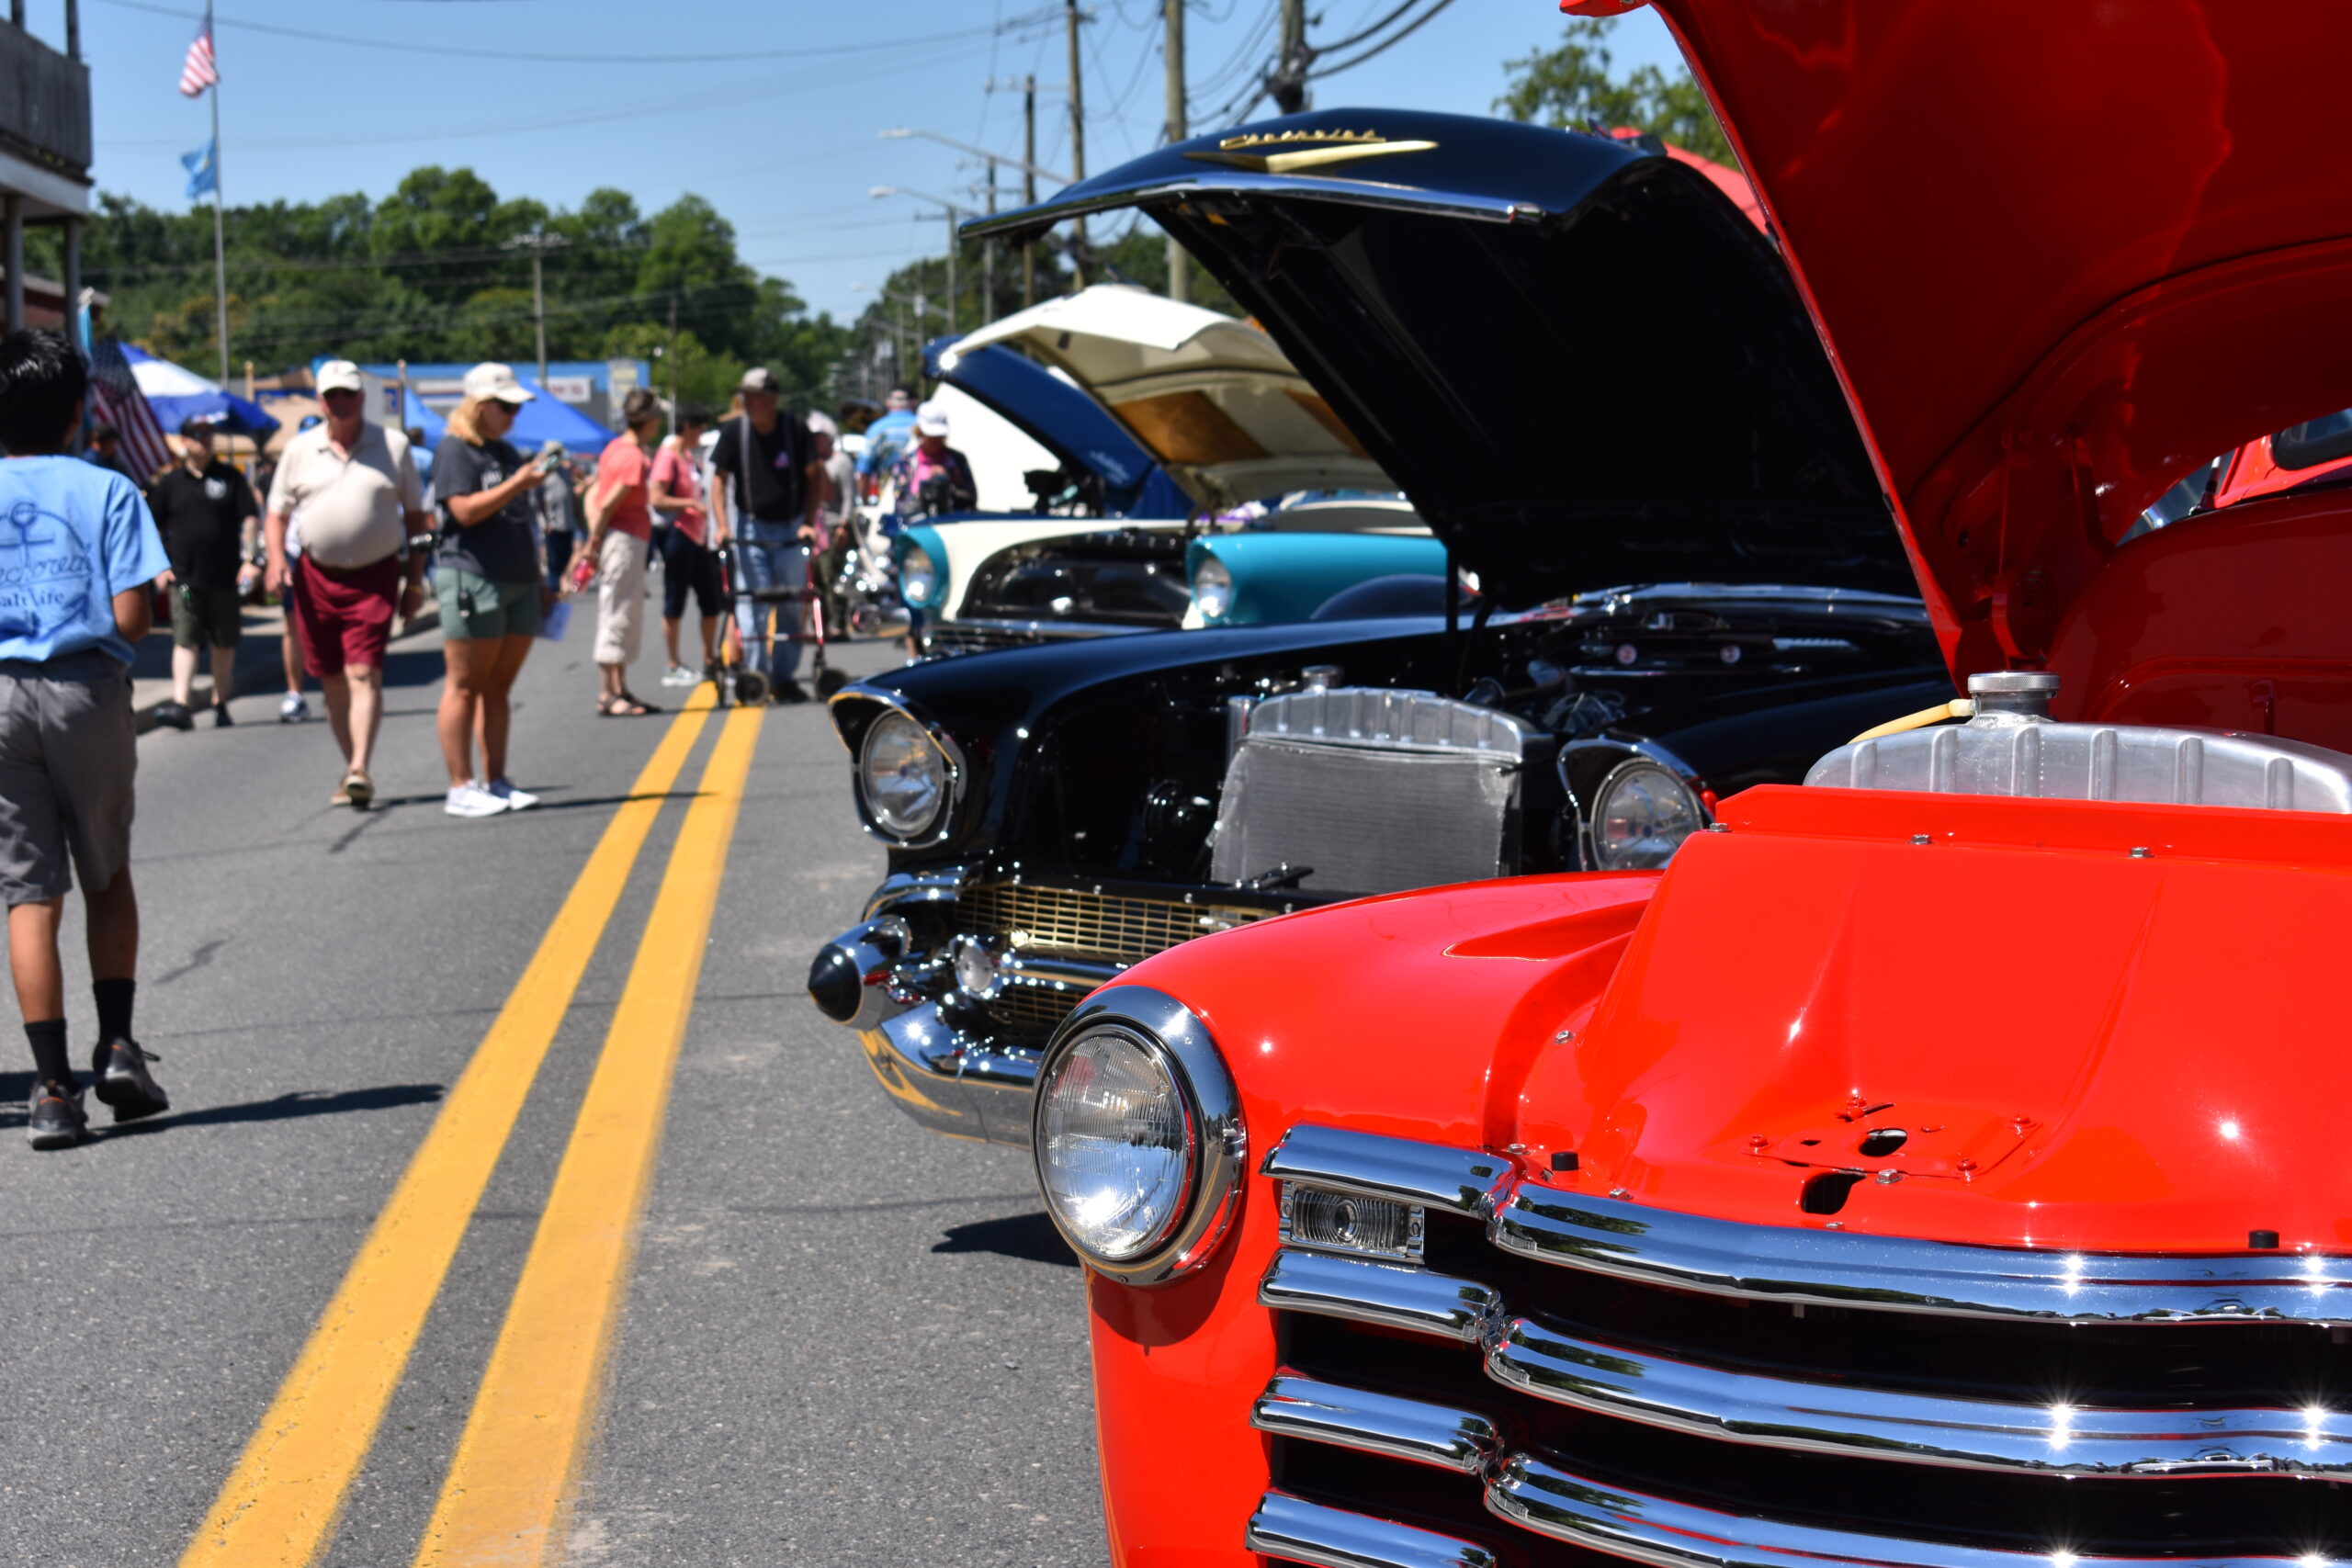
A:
[(500, 546)]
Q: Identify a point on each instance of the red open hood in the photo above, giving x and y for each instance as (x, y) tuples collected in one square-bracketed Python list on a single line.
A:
[(2062, 255)]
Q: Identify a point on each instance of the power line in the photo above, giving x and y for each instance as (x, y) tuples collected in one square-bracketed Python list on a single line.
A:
[(404, 46)]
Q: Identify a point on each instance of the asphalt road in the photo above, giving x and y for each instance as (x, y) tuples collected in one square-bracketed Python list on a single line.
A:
[(832, 1338)]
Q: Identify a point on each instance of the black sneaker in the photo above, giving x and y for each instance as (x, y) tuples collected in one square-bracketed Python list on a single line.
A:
[(221, 719), (54, 1118), (118, 1074), (174, 715), (790, 692)]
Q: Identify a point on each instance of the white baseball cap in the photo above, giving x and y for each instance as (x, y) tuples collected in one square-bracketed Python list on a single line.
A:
[(340, 375), (931, 420), (490, 379)]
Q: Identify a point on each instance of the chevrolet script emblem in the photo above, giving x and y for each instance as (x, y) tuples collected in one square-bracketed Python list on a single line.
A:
[(1283, 151)]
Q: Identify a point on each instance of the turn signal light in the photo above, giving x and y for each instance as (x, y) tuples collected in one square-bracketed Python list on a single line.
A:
[(1343, 1221)]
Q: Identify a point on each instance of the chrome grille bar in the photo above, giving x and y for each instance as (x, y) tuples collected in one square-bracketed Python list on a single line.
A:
[(1670, 1534), (1893, 1273), (1294, 1531), (1387, 1294), (1411, 1429), (1823, 1417), (1402, 1169)]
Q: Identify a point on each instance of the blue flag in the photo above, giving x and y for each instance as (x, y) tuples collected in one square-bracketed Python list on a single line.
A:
[(203, 171)]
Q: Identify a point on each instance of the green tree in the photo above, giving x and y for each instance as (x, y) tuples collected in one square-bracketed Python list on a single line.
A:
[(427, 273), (1573, 86)]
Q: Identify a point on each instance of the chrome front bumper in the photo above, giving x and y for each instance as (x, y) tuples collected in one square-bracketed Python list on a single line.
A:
[(965, 1064)]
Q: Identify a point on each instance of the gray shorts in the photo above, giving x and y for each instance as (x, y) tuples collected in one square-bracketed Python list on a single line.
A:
[(69, 753)]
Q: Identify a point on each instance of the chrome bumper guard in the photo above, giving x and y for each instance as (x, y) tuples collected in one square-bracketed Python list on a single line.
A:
[(1831, 1416), (1294, 1531)]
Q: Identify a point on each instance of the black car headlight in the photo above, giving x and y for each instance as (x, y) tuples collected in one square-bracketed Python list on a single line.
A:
[(904, 777), (1641, 813), (1138, 1137)]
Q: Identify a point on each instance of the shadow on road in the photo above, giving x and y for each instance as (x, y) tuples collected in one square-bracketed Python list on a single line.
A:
[(15, 1087), (1030, 1237)]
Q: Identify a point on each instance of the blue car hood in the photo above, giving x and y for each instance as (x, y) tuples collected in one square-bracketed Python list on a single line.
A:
[(1063, 420)]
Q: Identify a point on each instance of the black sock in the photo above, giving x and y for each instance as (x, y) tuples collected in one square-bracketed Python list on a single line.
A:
[(115, 997), (50, 1061)]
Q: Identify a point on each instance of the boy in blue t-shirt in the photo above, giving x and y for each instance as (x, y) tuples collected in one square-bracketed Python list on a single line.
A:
[(78, 552)]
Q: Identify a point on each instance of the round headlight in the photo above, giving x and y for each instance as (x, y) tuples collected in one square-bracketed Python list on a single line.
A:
[(1138, 1136), (918, 577), (1641, 817), (903, 776), (1119, 1146), (1212, 589)]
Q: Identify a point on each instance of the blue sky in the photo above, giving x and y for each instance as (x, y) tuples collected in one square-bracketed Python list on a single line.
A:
[(769, 110)]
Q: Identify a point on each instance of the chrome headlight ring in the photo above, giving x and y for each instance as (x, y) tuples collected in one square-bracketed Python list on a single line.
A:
[(951, 756), (1179, 1046), (1589, 770), (1663, 793), (1213, 589)]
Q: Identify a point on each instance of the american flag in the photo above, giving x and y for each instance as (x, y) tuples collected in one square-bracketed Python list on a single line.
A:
[(124, 406), (200, 73)]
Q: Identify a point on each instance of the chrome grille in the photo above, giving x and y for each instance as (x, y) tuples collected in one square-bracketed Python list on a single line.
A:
[(1074, 923), (1689, 1393), (975, 636), (1033, 1011)]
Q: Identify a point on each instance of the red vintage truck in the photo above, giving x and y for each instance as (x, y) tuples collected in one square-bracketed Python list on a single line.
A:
[(1937, 1164)]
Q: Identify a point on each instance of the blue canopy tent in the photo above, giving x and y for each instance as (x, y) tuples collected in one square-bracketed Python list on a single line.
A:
[(544, 419), (178, 395), (414, 415)]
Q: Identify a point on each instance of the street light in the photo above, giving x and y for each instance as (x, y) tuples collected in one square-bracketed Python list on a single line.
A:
[(953, 210), (901, 132)]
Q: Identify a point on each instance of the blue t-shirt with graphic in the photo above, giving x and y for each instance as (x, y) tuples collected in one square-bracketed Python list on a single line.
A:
[(71, 537)]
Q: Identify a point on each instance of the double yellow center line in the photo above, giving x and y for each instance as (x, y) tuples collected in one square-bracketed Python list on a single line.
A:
[(523, 1440)]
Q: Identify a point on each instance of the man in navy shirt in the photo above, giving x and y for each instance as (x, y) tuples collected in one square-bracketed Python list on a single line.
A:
[(78, 552)]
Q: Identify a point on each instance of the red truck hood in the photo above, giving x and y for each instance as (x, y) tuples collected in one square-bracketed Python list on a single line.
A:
[(2062, 255)]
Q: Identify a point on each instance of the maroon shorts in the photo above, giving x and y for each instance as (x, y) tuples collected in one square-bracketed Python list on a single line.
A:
[(344, 617)]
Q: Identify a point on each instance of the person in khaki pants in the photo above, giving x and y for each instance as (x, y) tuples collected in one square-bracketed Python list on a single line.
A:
[(621, 530)]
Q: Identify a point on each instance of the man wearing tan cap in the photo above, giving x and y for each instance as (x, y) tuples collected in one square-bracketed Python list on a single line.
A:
[(354, 488)]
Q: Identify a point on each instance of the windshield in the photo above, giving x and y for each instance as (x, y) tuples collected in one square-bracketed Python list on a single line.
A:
[(2306, 445)]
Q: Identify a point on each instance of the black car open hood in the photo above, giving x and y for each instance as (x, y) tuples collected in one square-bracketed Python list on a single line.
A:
[(1581, 360)]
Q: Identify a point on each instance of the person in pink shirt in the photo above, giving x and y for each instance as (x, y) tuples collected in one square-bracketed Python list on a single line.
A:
[(688, 563), (620, 533)]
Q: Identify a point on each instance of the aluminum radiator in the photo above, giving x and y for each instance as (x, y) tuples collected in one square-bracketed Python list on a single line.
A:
[(1366, 790)]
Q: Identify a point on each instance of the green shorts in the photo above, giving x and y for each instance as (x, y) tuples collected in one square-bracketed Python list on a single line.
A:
[(201, 616), (473, 606)]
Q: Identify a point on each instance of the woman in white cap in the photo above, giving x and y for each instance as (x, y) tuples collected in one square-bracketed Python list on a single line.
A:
[(486, 575)]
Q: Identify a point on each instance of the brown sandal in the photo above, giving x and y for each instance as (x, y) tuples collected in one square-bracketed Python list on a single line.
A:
[(622, 706)]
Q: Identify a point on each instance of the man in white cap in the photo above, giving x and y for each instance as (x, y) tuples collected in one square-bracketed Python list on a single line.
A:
[(354, 488)]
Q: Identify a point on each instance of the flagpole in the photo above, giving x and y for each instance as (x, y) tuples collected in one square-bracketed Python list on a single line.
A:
[(219, 248)]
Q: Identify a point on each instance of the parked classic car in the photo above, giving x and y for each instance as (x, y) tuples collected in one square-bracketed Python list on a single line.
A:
[(1225, 428), (1937, 1164), (1057, 814)]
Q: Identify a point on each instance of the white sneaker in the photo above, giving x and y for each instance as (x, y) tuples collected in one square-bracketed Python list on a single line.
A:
[(680, 675), (516, 799), (469, 799), (292, 709)]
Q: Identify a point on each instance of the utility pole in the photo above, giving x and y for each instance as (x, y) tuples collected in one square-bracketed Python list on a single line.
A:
[(673, 357), (1028, 185), (950, 215), (1078, 136), (538, 244), (1290, 66), (1180, 265), (220, 244), (987, 258)]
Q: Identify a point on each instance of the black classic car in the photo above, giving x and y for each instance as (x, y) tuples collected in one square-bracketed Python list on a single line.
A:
[(1592, 377)]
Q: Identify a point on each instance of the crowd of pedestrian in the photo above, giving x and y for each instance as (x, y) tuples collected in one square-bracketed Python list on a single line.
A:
[(342, 526)]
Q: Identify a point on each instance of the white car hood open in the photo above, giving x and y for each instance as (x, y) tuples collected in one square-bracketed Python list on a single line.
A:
[(1211, 397)]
